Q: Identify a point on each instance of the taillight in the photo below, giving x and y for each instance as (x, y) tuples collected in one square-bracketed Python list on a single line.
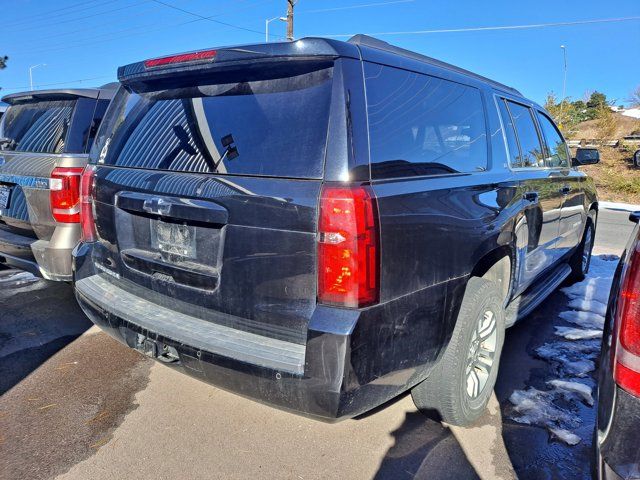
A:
[(64, 194), (87, 222), (627, 354), (348, 247), (181, 58)]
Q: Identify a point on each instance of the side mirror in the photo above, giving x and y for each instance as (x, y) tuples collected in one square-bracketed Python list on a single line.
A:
[(586, 156)]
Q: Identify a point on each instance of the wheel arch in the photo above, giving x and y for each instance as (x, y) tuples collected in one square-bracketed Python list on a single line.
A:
[(497, 266)]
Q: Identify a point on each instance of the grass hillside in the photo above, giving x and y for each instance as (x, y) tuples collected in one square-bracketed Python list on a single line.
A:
[(616, 178), (592, 129)]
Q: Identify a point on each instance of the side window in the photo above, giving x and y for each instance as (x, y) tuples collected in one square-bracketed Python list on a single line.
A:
[(101, 107), (423, 125), (515, 157), (530, 146), (556, 146), (80, 124)]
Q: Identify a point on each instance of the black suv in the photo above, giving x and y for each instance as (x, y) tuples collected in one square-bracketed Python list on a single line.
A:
[(322, 225)]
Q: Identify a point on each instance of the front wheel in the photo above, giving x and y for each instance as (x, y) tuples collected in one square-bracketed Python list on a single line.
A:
[(461, 383), (581, 259)]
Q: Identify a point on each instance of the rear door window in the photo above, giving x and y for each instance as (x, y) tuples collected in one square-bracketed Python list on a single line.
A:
[(423, 125), (276, 127), (558, 153), (532, 154), (515, 157), (39, 127)]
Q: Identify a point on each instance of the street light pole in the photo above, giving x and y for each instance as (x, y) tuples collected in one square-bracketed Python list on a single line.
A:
[(266, 26), (564, 80), (31, 74)]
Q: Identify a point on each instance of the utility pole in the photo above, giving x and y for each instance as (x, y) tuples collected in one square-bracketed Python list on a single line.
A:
[(290, 5)]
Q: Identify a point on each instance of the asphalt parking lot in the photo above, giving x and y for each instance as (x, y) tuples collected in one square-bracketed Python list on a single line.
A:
[(75, 404)]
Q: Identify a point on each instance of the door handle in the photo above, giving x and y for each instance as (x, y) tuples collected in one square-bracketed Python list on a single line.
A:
[(531, 197), (565, 190)]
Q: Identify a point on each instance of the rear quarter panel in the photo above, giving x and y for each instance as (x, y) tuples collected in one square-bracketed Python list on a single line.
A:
[(30, 206)]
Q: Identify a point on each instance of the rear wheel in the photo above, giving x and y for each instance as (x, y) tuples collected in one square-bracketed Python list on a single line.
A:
[(459, 387), (581, 259)]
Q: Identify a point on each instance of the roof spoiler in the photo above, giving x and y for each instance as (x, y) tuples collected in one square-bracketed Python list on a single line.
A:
[(60, 94), (167, 66)]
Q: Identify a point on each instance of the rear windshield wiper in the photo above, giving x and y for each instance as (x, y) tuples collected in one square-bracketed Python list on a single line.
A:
[(230, 151)]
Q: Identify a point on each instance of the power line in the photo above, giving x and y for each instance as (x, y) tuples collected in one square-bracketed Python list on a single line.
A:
[(206, 18), (34, 43), (56, 12), (26, 87), (365, 5), (483, 29), (136, 32), (47, 22)]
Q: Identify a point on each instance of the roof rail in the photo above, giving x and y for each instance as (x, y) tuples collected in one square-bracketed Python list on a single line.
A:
[(387, 47)]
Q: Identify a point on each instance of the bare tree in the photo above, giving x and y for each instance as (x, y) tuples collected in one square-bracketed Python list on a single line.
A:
[(634, 97)]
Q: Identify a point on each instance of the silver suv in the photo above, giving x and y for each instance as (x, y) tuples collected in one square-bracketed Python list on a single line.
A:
[(45, 137)]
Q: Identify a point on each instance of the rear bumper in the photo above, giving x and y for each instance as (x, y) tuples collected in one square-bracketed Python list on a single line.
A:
[(618, 456), (47, 259), (351, 361)]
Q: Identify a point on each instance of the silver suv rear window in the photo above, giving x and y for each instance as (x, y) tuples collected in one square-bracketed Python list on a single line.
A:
[(275, 127), (38, 127)]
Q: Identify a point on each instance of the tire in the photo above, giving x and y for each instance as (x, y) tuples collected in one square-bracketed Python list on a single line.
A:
[(449, 389), (581, 258)]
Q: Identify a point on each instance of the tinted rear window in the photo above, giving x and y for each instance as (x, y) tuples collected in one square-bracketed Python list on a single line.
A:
[(423, 125), (38, 127), (276, 127)]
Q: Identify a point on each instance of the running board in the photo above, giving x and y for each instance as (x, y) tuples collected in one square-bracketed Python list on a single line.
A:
[(526, 303)]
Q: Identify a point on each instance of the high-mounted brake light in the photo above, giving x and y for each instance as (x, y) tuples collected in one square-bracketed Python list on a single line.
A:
[(348, 247), (64, 194), (627, 352), (181, 58), (87, 220)]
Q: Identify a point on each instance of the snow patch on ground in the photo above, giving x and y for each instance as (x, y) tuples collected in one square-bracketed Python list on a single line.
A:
[(572, 359), (594, 307), (17, 280), (536, 407), (15, 277), (584, 319), (627, 207), (566, 436), (571, 333), (573, 387)]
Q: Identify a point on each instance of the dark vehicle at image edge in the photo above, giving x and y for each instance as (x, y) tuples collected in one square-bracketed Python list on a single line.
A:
[(45, 137), (322, 225), (618, 421)]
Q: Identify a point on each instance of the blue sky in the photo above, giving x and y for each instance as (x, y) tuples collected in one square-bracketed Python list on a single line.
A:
[(88, 40)]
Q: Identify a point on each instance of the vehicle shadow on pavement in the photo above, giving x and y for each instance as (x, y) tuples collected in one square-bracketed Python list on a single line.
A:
[(425, 448), (37, 319)]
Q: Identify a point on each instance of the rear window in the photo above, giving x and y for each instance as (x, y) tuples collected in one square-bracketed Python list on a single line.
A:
[(423, 125), (275, 127), (38, 127)]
